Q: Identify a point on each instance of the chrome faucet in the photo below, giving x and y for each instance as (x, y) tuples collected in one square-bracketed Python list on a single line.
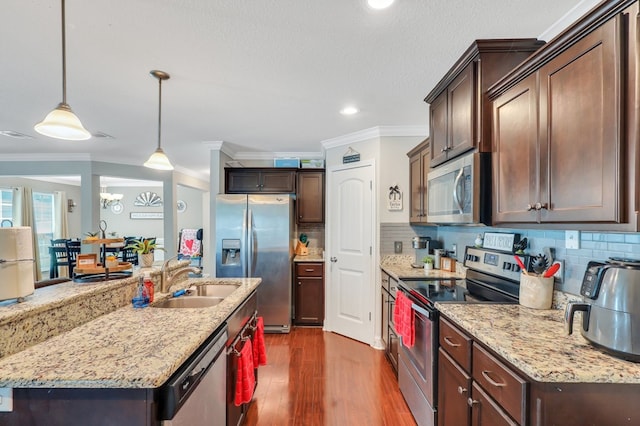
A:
[(168, 277)]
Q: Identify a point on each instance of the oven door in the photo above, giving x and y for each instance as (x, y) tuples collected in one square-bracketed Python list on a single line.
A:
[(423, 354)]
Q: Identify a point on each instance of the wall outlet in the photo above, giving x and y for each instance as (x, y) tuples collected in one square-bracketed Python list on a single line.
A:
[(6, 399), (397, 247), (454, 251), (572, 239), (559, 275)]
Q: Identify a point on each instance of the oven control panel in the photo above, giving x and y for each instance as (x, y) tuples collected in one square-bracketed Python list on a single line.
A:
[(494, 262)]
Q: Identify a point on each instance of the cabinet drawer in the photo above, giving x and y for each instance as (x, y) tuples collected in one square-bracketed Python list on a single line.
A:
[(456, 343), (502, 384), (304, 269)]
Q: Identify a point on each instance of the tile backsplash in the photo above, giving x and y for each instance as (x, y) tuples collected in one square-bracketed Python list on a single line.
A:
[(593, 245)]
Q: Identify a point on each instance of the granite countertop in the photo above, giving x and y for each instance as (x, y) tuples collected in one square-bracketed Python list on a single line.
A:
[(534, 342), (127, 348), (399, 267)]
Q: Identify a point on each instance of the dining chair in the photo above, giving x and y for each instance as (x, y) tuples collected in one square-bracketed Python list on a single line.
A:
[(57, 258), (73, 249), (128, 255)]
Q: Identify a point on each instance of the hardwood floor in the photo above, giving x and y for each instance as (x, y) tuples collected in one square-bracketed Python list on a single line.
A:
[(314, 378)]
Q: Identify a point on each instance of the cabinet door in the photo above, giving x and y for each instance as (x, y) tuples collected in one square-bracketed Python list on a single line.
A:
[(485, 411), (309, 301), (242, 181), (310, 197), (384, 321), (580, 130), (462, 102), (515, 159), (415, 183), (439, 123), (454, 386), (276, 181)]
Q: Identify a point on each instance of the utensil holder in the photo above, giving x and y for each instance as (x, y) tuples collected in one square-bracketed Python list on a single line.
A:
[(536, 292)]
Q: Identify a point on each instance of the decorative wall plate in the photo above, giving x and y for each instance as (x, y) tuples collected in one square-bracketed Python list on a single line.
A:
[(182, 206), (148, 199), (117, 208)]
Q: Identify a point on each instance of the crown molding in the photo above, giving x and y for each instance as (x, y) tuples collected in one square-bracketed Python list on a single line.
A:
[(376, 133), (568, 19), (221, 146)]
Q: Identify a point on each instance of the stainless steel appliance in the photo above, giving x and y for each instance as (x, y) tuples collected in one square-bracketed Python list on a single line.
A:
[(196, 394), (492, 277), (459, 191), (254, 238), (611, 307)]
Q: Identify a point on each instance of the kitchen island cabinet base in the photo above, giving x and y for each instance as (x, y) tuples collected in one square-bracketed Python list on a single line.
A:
[(81, 407)]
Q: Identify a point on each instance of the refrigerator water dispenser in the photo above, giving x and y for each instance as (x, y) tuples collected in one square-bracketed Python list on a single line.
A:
[(231, 252)]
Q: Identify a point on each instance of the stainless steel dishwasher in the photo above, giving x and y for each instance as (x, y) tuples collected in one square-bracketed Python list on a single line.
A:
[(196, 394)]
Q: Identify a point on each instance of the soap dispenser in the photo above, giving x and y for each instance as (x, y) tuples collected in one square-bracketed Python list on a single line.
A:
[(141, 298)]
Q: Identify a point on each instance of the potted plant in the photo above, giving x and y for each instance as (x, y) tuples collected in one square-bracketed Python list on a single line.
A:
[(144, 248), (91, 235), (428, 262)]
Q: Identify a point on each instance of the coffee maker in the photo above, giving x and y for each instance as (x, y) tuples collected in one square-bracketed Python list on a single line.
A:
[(424, 246)]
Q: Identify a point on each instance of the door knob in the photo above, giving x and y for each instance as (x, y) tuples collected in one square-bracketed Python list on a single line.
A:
[(333, 259)]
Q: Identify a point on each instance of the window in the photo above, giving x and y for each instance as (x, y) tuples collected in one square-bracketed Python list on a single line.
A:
[(6, 198), (43, 216)]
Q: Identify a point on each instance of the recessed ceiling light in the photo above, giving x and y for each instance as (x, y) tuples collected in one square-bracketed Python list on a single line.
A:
[(379, 4), (350, 110)]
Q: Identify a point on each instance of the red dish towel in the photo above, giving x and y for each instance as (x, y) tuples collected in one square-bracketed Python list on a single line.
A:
[(403, 319), (245, 378), (259, 348)]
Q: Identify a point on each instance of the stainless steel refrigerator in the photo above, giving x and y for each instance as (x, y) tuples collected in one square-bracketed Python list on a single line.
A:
[(254, 238)]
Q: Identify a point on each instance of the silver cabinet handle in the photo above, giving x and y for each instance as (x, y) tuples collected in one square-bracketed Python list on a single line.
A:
[(333, 259), (461, 390), (529, 207), (450, 343), (471, 402), (492, 382)]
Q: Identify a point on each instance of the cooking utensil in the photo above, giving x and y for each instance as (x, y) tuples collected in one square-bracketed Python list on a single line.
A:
[(552, 270), (520, 264), (540, 263)]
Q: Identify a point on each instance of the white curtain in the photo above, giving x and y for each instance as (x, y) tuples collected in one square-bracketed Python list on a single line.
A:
[(60, 217), (22, 205)]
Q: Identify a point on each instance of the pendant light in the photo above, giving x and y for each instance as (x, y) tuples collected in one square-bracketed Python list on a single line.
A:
[(158, 159), (62, 123)]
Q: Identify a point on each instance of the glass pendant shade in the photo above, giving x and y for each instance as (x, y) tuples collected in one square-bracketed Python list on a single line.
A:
[(158, 161), (62, 123)]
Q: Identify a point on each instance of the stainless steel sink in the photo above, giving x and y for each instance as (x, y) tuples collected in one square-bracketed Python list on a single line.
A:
[(215, 290), (189, 302)]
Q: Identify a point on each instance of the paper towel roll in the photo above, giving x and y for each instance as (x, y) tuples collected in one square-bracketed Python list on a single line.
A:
[(16, 262)]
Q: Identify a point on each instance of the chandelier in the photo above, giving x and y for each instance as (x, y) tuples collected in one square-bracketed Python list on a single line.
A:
[(108, 199)]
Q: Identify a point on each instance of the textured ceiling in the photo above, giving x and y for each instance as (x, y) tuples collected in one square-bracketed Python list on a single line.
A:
[(262, 75)]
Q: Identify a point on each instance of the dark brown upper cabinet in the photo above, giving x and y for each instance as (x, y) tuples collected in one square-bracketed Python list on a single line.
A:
[(263, 180), (460, 111), (565, 125), (418, 169), (310, 196)]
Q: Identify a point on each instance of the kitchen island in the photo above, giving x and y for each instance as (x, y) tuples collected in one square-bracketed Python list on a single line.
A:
[(122, 356)]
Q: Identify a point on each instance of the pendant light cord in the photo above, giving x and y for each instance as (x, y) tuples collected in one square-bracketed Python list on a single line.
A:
[(64, 57), (159, 110)]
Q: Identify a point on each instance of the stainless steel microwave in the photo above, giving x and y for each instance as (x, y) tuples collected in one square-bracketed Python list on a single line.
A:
[(459, 191)]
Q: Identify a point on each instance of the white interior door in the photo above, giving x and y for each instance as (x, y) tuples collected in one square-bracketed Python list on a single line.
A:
[(351, 232)]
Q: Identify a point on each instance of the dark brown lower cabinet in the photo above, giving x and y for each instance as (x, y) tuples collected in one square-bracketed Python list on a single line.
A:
[(308, 291), (485, 411), (453, 391)]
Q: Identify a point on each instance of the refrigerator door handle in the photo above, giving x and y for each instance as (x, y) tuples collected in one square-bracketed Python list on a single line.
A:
[(249, 245), (243, 257)]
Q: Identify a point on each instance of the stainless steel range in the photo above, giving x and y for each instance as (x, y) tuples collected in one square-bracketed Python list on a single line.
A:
[(492, 277)]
